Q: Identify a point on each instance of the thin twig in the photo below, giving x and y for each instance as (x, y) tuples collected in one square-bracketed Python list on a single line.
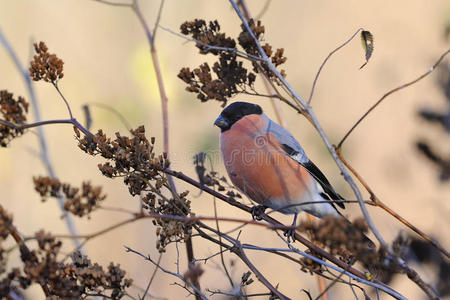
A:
[(291, 249), (238, 250), (64, 98), (390, 93), (414, 276), (220, 246), (274, 101), (257, 273), (320, 280), (377, 202), (351, 288), (178, 275), (325, 61), (160, 80), (153, 276), (323, 293), (209, 47), (347, 271), (158, 19), (268, 219), (114, 111), (74, 122), (44, 155), (164, 103)]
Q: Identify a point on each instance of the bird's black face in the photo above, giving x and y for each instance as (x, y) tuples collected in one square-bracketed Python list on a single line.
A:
[(234, 112)]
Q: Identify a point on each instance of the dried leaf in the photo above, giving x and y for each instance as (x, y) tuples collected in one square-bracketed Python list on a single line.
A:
[(367, 42)]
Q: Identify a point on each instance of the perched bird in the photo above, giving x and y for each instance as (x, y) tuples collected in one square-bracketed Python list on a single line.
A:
[(266, 163)]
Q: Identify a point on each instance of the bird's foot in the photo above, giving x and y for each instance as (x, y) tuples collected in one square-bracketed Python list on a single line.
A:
[(258, 212), (290, 234)]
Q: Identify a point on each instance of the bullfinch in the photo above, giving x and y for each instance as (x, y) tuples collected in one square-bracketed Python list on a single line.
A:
[(266, 163)]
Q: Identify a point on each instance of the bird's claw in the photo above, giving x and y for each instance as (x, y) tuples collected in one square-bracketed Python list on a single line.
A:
[(258, 212), (290, 234)]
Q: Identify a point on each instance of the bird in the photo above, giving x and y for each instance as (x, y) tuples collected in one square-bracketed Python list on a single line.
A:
[(267, 164)]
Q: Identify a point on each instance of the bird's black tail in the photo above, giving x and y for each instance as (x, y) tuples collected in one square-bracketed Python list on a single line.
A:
[(366, 239)]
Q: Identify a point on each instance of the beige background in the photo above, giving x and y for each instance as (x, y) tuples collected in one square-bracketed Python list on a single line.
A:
[(107, 61)]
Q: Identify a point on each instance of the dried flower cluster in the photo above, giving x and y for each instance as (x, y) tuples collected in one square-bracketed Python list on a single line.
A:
[(342, 237), (45, 66), (249, 45), (349, 242), (133, 159), (247, 42), (59, 279), (5, 225), (81, 278), (72, 280), (208, 34), (231, 77), (8, 280), (79, 201), (169, 230), (12, 111), (309, 265)]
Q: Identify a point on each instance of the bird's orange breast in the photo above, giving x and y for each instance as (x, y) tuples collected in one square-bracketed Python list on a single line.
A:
[(259, 167)]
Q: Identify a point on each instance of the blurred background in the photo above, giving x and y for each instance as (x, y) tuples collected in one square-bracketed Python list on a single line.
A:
[(107, 61)]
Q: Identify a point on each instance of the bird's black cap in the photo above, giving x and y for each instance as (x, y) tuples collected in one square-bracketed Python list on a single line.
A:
[(234, 112)]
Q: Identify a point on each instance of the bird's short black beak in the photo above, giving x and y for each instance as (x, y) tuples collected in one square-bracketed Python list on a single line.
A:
[(222, 122)]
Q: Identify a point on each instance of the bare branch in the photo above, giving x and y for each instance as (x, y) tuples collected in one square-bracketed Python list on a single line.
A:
[(238, 250), (153, 276), (114, 111), (220, 246), (178, 275), (346, 271), (325, 61), (377, 202), (267, 83), (390, 93), (158, 19), (64, 99), (44, 153), (209, 47)]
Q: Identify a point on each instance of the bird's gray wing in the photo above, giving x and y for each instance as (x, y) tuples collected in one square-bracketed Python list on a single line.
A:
[(296, 152)]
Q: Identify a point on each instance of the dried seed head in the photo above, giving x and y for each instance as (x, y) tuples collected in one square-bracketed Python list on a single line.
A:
[(228, 76), (78, 201), (45, 66), (13, 112)]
